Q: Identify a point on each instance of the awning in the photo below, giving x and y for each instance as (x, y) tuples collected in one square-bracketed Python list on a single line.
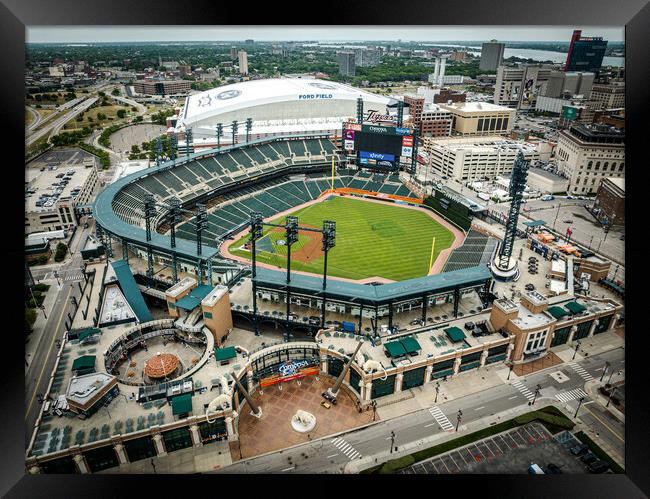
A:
[(455, 334), (225, 353), (194, 297), (88, 332), (574, 307), (411, 345), (181, 404), (557, 312), (395, 349), (84, 362), (534, 223)]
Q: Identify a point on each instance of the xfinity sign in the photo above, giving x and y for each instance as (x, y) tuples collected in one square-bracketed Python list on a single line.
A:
[(376, 156)]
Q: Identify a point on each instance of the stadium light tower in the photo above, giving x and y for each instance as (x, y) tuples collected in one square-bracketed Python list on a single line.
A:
[(249, 127), (174, 218), (149, 213), (234, 131), (291, 236), (158, 149), (188, 141), (504, 267), (219, 134), (329, 241), (201, 224), (174, 141), (256, 233)]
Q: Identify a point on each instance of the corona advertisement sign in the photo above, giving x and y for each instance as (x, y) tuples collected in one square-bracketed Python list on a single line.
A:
[(290, 370)]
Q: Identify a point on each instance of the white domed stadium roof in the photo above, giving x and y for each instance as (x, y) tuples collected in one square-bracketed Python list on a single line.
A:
[(253, 93)]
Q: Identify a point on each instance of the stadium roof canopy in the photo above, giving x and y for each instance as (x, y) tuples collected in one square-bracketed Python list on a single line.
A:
[(375, 295), (194, 297), (254, 93)]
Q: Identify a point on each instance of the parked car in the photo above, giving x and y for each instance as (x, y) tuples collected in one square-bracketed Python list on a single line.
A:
[(622, 238), (598, 466), (588, 458), (553, 469), (568, 221), (579, 449), (548, 197)]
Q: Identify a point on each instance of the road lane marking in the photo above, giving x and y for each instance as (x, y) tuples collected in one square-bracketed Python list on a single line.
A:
[(606, 425), (333, 455), (430, 424), (287, 469), (513, 397), (54, 336), (479, 408)]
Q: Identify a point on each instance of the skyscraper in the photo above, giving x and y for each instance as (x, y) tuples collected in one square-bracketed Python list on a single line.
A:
[(243, 62), (585, 53), (491, 55), (346, 63)]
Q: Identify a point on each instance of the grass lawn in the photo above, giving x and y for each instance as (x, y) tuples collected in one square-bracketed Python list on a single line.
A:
[(372, 239), (109, 111)]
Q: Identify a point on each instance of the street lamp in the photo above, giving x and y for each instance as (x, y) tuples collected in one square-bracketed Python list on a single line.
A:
[(374, 410), (611, 394), (576, 350), (537, 389), (510, 371), (607, 365), (437, 390), (579, 404), (611, 375), (392, 441), (458, 418)]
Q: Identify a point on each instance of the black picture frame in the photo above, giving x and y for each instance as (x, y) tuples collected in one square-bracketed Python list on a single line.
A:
[(633, 14)]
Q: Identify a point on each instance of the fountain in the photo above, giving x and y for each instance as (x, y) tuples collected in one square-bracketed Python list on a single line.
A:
[(303, 421)]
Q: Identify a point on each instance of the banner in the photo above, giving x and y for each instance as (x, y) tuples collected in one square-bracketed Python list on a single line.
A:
[(376, 155), (349, 145), (289, 371)]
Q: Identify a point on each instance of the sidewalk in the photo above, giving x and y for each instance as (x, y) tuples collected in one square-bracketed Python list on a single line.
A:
[(210, 457), (49, 301)]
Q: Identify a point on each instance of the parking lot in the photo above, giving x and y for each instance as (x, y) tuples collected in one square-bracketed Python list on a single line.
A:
[(123, 139), (510, 452)]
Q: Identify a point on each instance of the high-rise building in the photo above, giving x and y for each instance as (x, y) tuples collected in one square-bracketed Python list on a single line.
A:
[(233, 52), (518, 87), (367, 57), (491, 55), (346, 63), (415, 104), (249, 42), (608, 96), (480, 118), (243, 62), (572, 83), (585, 53), (587, 154)]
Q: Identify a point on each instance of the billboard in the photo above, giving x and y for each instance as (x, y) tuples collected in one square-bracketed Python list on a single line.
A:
[(290, 370)]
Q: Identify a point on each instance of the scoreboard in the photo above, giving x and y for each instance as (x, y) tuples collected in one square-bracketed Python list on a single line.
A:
[(378, 146)]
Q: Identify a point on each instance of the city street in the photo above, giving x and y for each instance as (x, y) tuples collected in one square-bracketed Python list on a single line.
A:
[(55, 126), (41, 362), (328, 455)]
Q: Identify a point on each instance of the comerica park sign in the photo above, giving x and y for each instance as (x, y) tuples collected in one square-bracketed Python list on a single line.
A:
[(290, 370)]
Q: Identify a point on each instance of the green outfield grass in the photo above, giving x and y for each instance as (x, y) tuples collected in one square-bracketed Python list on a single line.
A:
[(372, 239)]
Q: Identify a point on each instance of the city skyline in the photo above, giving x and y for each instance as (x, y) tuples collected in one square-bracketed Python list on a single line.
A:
[(77, 34)]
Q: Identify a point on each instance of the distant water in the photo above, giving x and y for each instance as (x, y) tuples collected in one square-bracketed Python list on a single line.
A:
[(542, 55)]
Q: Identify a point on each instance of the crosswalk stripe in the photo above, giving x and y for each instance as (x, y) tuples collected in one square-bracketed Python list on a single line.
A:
[(571, 395), (440, 417), (581, 371), (346, 448), (519, 385)]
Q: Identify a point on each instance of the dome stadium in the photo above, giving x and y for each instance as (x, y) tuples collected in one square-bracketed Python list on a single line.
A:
[(277, 107)]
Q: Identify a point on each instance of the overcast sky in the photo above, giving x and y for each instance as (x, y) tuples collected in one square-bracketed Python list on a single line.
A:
[(72, 34)]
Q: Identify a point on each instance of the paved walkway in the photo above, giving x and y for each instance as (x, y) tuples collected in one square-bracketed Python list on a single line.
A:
[(547, 361), (273, 430)]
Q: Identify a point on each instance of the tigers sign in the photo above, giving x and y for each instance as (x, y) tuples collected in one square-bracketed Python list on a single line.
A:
[(290, 370)]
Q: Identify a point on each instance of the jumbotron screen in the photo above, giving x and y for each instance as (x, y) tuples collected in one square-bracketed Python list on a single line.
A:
[(378, 146)]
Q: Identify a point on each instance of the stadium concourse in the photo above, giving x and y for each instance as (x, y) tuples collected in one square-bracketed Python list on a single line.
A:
[(105, 413)]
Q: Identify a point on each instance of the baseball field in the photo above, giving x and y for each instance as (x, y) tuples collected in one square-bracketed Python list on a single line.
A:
[(372, 240)]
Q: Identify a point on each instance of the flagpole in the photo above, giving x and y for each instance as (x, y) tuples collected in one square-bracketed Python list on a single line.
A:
[(433, 245)]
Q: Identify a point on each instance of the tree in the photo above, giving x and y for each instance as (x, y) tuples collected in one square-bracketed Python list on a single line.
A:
[(61, 251), (115, 91), (101, 116), (135, 149), (121, 113), (30, 319)]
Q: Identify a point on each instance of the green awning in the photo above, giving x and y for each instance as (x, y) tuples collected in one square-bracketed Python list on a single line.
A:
[(455, 334), (225, 353), (84, 362), (88, 332), (534, 223), (557, 312), (574, 307), (181, 404), (395, 349), (194, 298), (411, 345)]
